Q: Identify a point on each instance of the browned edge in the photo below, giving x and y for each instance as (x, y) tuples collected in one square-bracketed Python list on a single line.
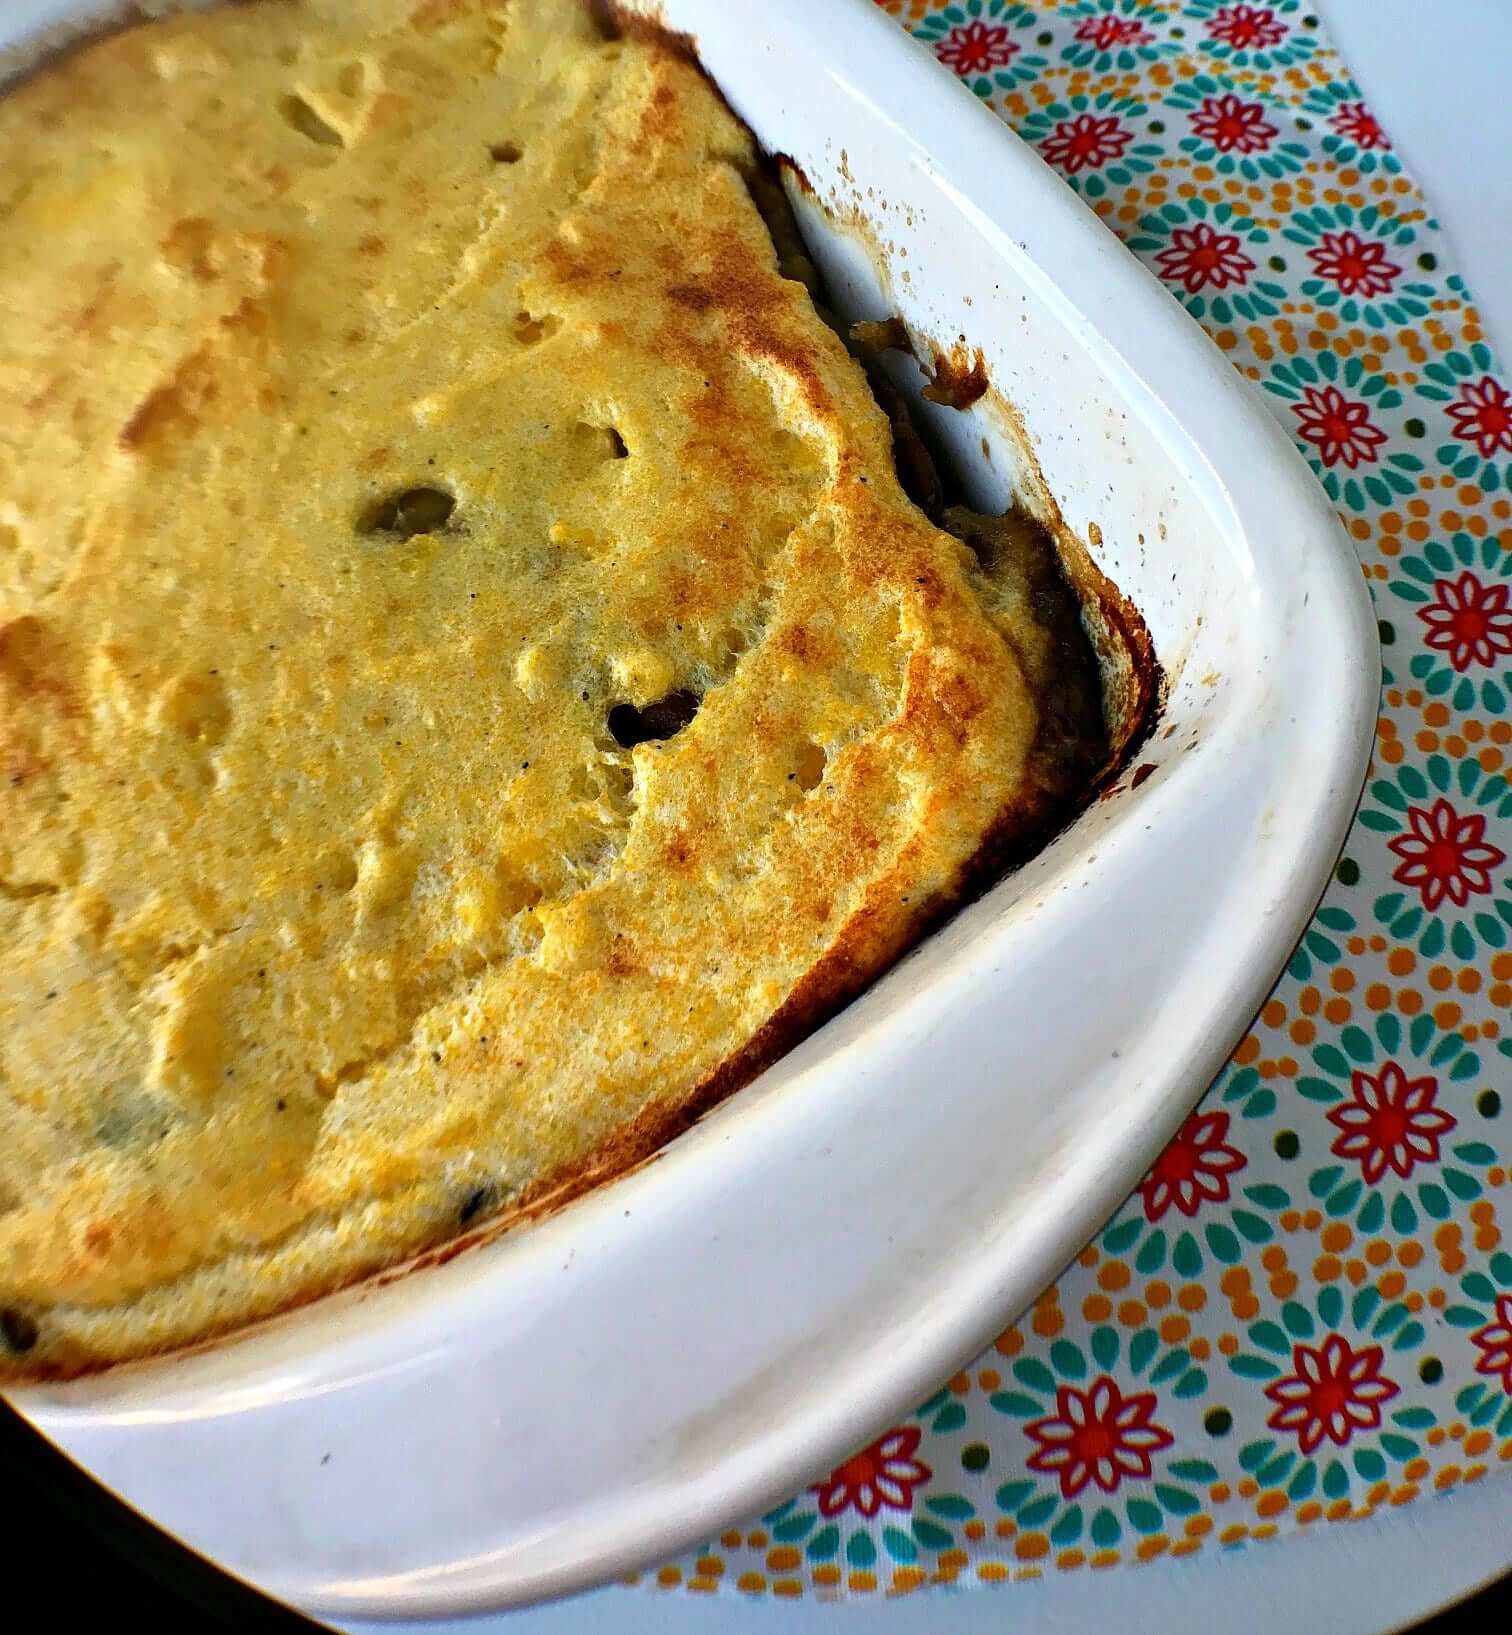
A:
[(617, 21)]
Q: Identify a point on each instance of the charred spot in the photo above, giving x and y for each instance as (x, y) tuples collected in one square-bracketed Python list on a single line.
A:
[(958, 380), (410, 511), (615, 22), (479, 1201), (606, 19), (663, 718), (692, 296), (19, 1331), (506, 153)]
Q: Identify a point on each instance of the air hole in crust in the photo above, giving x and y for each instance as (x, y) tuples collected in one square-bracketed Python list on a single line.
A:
[(600, 442), (529, 329), (197, 707), (661, 719), (300, 116), (506, 153), (340, 872), (411, 511), (809, 771)]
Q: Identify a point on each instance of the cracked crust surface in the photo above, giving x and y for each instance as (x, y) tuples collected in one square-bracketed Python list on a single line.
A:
[(400, 391)]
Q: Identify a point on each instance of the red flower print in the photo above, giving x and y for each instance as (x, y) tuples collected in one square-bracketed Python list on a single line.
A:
[(1196, 1166), (1244, 26), (1107, 32), (1233, 126), (1469, 621), (1335, 1392), (973, 48), (1339, 429), (1355, 121), (1483, 416), (1445, 855), (1086, 142), (1358, 266), (1097, 1436), (886, 1473), (1199, 256), (1494, 1341), (1391, 1123)]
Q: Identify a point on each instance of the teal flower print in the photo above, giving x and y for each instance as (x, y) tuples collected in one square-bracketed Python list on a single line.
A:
[(1208, 254), (1194, 1168), (1330, 1372), (1093, 1423), (985, 42), (1401, 1099), (1092, 141), (1263, 37), (1461, 593), (1390, 1122), (1317, 946), (1485, 1311), (1338, 406), (883, 1474), (1195, 1241), (1335, 1391), (1475, 416), (878, 1485), (1238, 134), (1352, 134), (1097, 1435), (1115, 34), (1359, 264), (1446, 824)]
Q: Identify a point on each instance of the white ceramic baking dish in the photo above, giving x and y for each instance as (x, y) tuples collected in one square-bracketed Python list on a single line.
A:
[(697, 1340)]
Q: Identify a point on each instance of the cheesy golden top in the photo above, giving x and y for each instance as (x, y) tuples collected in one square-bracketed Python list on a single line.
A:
[(469, 676)]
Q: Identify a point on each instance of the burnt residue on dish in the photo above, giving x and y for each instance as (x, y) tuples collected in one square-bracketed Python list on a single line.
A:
[(959, 376), (1134, 684)]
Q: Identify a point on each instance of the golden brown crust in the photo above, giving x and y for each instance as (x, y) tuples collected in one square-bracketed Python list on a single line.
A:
[(455, 403)]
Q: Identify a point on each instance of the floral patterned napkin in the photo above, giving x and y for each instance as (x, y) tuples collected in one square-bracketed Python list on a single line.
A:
[(1305, 1311)]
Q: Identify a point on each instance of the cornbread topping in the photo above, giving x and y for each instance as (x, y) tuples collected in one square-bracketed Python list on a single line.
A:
[(472, 687)]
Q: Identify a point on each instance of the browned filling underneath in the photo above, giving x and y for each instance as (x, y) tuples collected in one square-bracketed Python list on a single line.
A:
[(1017, 553), (1071, 745)]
